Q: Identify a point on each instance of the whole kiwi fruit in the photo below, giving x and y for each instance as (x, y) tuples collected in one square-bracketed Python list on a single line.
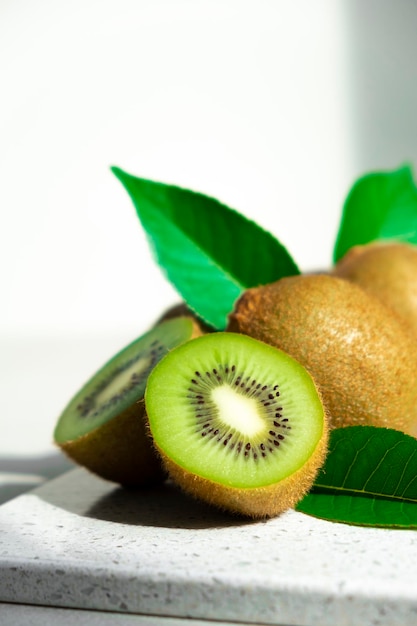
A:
[(238, 423), (358, 352), (387, 270), (181, 309), (103, 427)]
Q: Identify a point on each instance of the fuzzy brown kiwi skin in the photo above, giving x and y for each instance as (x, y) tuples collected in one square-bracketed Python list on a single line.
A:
[(120, 450), (357, 351), (255, 503), (388, 271)]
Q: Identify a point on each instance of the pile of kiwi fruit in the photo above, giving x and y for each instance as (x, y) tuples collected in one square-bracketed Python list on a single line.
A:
[(240, 418)]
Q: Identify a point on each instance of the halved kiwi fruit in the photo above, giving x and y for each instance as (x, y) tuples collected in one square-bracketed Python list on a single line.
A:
[(238, 423), (103, 427)]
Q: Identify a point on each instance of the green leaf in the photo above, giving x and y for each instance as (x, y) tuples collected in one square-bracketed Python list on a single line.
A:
[(380, 206), (369, 479), (209, 252)]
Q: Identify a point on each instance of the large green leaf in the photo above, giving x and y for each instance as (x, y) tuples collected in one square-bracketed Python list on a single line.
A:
[(369, 478), (380, 206), (209, 252)]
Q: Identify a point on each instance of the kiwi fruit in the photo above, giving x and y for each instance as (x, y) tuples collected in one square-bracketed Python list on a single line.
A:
[(238, 424), (103, 427), (389, 272), (358, 352), (182, 309)]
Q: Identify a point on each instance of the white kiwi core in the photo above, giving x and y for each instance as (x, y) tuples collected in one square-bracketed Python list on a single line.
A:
[(122, 380), (238, 412)]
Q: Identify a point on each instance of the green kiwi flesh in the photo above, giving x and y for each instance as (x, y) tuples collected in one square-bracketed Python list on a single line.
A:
[(103, 427), (237, 423)]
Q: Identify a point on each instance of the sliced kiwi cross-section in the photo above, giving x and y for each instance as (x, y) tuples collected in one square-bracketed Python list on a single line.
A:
[(238, 423), (103, 427)]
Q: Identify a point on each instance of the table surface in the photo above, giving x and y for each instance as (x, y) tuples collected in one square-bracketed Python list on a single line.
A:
[(86, 544)]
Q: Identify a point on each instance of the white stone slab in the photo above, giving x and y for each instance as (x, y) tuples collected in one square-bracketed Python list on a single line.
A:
[(13, 484), (82, 543), (24, 615)]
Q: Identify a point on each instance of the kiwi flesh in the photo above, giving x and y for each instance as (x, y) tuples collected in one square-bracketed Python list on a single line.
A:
[(238, 424), (387, 270), (358, 352), (103, 427)]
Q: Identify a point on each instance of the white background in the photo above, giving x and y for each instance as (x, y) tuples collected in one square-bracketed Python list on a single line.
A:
[(273, 107)]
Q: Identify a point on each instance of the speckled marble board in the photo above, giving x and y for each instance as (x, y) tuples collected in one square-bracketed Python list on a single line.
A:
[(82, 543)]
